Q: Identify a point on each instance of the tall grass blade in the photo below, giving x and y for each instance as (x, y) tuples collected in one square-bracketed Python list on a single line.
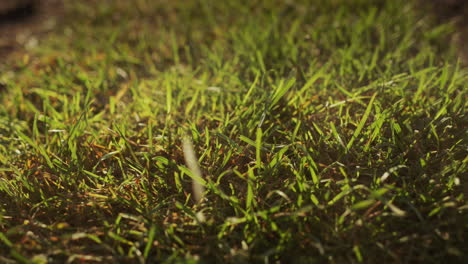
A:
[(361, 123), (191, 160)]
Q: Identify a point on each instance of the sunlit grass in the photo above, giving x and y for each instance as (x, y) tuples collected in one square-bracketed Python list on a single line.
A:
[(325, 132)]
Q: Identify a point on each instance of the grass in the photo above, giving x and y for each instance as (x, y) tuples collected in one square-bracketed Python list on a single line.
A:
[(235, 131)]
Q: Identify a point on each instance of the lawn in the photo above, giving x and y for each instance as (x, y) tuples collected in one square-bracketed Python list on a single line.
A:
[(235, 132)]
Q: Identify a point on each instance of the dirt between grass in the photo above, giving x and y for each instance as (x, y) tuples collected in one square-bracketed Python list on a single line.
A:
[(23, 22), (455, 11)]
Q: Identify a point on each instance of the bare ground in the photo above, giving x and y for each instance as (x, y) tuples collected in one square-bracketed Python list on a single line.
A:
[(455, 11), (22, 25)]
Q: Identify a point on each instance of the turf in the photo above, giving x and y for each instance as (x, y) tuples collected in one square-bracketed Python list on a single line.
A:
[(235, 132)]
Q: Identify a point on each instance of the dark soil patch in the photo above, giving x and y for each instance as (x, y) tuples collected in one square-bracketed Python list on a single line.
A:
[(22, 24), (11, 11), (455, 11)]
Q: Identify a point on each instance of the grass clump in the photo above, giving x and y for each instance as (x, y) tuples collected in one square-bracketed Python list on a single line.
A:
[(324, 132)]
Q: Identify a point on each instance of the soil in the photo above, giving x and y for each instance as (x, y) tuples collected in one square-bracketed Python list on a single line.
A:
[(7, 6), (455, 11), (22, 22)]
